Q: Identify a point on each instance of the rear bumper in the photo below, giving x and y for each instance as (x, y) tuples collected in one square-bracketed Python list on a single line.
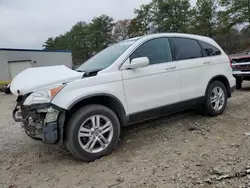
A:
[(232, 85), (242, 76)]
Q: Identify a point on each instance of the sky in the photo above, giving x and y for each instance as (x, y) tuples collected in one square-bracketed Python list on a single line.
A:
[(29, 23)]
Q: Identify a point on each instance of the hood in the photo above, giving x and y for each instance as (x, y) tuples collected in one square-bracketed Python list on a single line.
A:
[(32, 79)]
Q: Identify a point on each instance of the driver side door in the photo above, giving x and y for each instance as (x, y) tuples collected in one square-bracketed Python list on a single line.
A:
[(156, 85)]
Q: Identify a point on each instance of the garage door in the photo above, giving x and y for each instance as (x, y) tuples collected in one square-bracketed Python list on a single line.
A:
[(16, 67)]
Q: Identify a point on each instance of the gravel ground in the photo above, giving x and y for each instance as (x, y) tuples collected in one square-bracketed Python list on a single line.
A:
[(182, 150)]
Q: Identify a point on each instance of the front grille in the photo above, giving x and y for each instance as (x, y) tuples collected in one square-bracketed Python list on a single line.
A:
[(244, 69)]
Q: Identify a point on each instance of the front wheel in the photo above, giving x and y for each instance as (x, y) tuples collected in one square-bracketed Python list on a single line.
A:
[(216, 99), (92, 132)]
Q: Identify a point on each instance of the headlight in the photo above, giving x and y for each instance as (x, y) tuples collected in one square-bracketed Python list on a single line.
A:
[(43, 96)]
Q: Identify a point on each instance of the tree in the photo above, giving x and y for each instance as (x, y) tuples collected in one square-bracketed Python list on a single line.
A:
[(100, 32), (140, 25), (84, 39), (49, 44), (134, 28), (172, 15), (205, 14), (121, 30), (229, 41), (218, 19), (78, 41), (236, 12)]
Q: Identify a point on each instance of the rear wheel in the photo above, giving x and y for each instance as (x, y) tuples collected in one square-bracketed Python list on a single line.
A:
[(92, 132), (216, 99), (238, 83)]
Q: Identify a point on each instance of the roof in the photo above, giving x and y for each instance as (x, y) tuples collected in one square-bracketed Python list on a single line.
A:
[(181, 35), (33, 50), (178, 35), (153, 35)]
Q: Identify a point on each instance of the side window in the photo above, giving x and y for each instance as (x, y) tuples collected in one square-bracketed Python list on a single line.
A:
[(209, 50), (184, 48), (156, 50)]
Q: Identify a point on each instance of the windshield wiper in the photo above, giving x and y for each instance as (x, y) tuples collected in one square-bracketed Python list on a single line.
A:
[(91, 73)]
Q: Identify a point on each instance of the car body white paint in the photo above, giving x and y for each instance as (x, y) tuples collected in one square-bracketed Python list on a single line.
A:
[(152, 86), (196, 74), (105, 83), (36, 78), (143, 88)]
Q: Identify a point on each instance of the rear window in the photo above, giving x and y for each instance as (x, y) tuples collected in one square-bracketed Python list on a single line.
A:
[(184, 48), (209, 50)]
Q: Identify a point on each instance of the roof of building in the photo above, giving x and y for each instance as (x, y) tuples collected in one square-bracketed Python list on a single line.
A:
[(33, 50)]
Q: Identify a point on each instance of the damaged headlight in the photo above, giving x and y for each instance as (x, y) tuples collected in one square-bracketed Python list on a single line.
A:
[(43, 96)]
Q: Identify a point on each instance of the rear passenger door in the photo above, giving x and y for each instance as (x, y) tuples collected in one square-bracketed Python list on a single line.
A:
[(192, 65)]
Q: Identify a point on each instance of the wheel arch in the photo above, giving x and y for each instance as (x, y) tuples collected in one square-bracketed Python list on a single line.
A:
[(104, 99), (222, 79)]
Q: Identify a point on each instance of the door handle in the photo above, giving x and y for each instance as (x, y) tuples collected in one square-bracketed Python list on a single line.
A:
[(206, 62), (170, 68)]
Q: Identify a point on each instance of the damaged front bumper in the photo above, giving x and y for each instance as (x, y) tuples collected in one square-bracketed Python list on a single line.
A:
[(40, 121)]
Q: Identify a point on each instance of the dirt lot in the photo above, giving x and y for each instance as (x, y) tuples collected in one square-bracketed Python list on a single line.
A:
[(184, 150)]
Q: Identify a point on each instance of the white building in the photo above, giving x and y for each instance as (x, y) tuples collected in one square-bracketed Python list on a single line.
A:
[(13, 61)]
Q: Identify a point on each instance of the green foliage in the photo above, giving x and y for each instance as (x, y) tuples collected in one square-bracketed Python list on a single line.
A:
[(3, 83), (121, 30), (236, 12), (172, 15), (84, 39), (100, 32), (229, 41), (134, 28), (144, 16), (205, 17), (49, 44), (213, 18)]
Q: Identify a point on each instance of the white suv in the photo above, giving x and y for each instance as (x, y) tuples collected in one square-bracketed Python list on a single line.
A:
[(129, 82)]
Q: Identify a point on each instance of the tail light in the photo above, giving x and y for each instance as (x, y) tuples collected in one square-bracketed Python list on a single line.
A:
[(230, 61)]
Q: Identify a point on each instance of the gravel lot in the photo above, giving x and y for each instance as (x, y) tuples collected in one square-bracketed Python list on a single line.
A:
[(182, 150)]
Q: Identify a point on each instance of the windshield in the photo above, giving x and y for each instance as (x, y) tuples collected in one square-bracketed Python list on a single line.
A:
[(106, 57)]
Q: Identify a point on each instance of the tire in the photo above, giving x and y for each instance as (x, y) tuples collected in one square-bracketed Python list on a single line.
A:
[(238, 83), (209, 105), (75, 144)]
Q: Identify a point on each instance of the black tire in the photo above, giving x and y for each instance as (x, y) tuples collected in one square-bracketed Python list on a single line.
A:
[(209, 110), (238, 83), (76, 121)]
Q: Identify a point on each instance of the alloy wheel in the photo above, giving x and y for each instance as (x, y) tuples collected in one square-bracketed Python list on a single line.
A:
[(95, 133), (217, 98)]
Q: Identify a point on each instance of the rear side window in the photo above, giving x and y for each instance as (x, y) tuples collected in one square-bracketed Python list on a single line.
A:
[(184, 48), (156, 50), (209, 50)]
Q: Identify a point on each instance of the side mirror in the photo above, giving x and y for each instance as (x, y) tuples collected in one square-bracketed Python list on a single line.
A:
[(139, 62)]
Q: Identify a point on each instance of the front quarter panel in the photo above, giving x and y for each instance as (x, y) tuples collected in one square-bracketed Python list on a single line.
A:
[(106, 83)]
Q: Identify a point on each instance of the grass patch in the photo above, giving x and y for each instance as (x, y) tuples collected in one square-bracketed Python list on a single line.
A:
[(3, 83)]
